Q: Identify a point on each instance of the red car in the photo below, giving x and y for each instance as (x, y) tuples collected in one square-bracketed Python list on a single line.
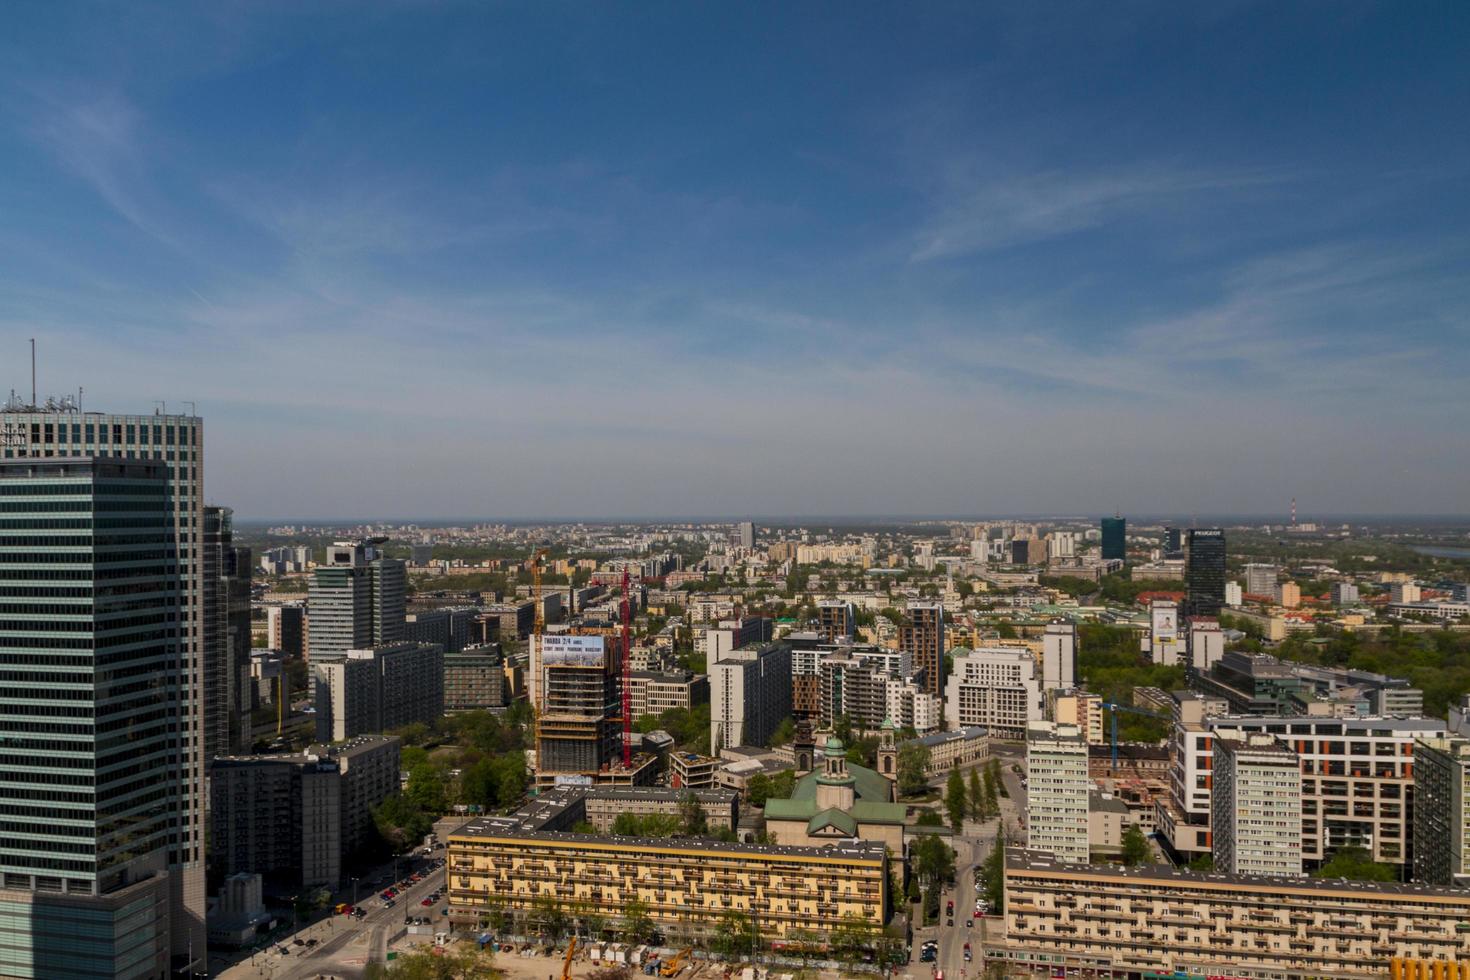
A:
[(427, 901)]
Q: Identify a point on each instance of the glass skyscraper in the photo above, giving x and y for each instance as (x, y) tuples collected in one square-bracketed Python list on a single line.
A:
[(1115, 538), (91, 646), (58, 431), (1204, 571)]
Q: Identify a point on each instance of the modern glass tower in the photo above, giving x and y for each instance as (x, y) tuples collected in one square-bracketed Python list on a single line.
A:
[(92, 640), (58, 430), (1204, 571), (1115, 538)]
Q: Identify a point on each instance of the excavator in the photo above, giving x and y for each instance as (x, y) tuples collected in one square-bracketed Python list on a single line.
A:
[(676, 962), (566, 964)]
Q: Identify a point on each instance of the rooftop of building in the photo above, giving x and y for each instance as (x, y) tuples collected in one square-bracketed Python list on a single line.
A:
[(1022, 860), (313, 753), (958, 735), (498, 827)]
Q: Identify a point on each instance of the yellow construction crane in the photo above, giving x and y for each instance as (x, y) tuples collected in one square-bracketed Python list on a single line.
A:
[(566, 966)]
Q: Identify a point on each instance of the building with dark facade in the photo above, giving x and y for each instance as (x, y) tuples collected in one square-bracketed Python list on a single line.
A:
[(1115, 538), (93, 644), (923, 638), (1204, 571)]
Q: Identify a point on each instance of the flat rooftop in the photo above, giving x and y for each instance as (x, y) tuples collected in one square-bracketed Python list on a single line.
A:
[(1019, 859)]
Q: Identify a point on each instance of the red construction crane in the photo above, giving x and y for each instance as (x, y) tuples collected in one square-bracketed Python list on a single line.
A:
[(627, 678)]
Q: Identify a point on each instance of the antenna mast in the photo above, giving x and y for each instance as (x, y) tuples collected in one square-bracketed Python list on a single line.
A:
[(33, 372)]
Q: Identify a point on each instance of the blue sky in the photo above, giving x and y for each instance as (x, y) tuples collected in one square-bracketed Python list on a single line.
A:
[(433, 259)]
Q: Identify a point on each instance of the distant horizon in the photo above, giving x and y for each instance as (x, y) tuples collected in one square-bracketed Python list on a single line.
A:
[(838, 520)]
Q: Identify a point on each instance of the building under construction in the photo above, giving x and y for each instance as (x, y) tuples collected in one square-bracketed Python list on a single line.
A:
[(579, 733)]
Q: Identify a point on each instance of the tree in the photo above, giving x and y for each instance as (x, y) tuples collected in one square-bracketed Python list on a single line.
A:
[(784, 733), (690, 811), (995, 874), (548, 918), (954, 800), (991, 803), (400, 824), (978, 809), (637, 924), (850, 939), (439, 963), (1356, 864), (933, 860), (736, 935), (913, 768), (479, 784), (1135, 846), (426, 788)]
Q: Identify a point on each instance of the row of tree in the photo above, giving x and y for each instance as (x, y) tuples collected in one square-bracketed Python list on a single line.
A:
[(979, 801)]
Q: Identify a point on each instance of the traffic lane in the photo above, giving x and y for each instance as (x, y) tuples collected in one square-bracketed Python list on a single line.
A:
[(308, 962)]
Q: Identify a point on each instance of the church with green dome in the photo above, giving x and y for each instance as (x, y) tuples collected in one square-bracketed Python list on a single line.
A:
[(839, 801)]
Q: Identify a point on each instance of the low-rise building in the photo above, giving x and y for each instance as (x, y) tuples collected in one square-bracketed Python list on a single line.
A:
[(653, 693), (960, 749), (690, 770), (603, 804), (514, 865), (1152, 921)]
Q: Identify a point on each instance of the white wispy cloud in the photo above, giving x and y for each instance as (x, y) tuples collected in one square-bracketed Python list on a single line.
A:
[(982, 212)]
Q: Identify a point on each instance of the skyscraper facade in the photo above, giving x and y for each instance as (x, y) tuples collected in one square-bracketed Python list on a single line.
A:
[(356, 600), (923, 638), (60, 431), (226, 580), (1204, 571), (92, 641), (1114, 538)]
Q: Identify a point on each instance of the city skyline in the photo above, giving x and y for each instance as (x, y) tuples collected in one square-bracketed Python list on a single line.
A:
[(559, 260)]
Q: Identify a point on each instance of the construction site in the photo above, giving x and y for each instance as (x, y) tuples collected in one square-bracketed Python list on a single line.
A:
[(580, 687)]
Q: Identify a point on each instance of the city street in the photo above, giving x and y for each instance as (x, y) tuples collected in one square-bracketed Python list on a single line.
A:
[(344, 945), (970, 848)]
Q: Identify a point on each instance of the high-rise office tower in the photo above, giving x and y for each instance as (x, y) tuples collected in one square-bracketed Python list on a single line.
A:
[(923, 638), (226, 580), (90, 714), (1256, 806), (1204, 571), (356, 601), (1114, 538), (1173, 540), (835, 620), (58, 430), (747, 534)]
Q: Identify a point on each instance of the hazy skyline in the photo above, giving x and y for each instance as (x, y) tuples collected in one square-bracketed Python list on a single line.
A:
[(436, 259)]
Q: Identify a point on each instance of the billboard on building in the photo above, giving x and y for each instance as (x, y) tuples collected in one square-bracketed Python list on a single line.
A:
[(576, 651)]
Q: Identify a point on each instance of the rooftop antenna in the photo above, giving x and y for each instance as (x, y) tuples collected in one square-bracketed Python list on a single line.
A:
[(33, 372)]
